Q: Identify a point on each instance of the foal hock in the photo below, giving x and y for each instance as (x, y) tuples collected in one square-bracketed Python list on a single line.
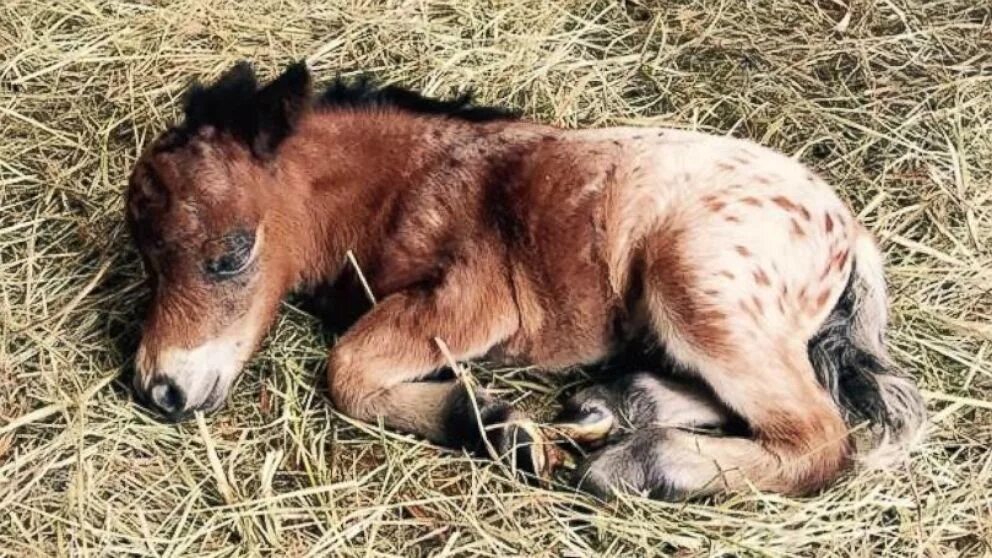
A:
[(521, 243)]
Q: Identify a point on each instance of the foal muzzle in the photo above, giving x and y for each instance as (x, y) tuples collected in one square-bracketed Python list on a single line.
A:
[(178, 382)]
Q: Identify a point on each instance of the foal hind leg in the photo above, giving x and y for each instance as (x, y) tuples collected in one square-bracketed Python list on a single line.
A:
[(797, 439), (378, 370), (736, 302), (638, 401)]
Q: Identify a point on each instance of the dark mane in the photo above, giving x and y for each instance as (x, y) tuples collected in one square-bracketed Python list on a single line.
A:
[(263, 116), (363, 92)]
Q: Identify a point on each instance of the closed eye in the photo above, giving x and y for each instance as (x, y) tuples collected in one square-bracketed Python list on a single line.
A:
[(234, 253)]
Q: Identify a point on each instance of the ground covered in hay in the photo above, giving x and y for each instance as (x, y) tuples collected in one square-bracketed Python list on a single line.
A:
[(891, 100)]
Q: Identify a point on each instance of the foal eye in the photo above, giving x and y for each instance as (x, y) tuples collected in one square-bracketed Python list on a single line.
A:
[(233, 254)]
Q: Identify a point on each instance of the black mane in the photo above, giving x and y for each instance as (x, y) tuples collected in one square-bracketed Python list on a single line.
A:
[(363, 92), (263, 117)]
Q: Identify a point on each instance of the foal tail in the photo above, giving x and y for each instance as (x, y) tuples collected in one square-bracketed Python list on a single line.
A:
[(851, 361)]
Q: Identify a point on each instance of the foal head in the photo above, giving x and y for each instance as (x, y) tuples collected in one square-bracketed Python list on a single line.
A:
[(212, 227)]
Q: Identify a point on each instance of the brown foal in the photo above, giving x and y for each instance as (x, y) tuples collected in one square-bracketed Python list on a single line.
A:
[(522, 243)]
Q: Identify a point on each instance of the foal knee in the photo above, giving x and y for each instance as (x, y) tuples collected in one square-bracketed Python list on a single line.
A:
[(347, 387)]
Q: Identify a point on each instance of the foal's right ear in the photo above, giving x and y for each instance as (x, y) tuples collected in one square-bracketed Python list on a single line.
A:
[(280, 105), (224, 102)]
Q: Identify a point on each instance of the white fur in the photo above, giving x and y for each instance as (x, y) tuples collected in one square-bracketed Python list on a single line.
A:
[(201, 371)]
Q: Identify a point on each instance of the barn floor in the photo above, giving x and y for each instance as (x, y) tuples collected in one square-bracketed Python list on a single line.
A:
[(890, 100)]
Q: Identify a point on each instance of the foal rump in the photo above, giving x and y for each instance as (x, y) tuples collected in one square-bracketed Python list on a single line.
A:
[(881, 404)]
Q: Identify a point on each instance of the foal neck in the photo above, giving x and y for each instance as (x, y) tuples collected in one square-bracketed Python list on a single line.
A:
[(348, 168)]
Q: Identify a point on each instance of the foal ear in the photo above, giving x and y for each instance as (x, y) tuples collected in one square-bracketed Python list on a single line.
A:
[(224, 102), (280, 105)]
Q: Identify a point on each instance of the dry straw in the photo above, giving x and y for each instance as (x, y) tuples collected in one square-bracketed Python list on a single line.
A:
[(891, 100)]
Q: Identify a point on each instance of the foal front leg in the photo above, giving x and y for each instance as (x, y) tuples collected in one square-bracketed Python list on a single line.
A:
[(377, 369)]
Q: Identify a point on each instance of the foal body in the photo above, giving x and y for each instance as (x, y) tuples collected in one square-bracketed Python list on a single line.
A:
[(529, 244)]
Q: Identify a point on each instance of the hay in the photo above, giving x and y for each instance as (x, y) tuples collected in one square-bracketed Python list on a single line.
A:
[(890, 100)]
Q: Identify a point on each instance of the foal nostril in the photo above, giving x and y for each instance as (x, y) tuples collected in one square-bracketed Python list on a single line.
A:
[(168, 397)]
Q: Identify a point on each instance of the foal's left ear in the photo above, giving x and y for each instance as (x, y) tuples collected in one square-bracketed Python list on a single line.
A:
[(280, 105)]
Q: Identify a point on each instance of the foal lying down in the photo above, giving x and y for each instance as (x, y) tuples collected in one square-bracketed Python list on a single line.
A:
[(527, 244)]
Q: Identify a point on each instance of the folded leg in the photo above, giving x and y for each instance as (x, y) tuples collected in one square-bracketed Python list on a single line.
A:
[(637, 401), (379, 369)]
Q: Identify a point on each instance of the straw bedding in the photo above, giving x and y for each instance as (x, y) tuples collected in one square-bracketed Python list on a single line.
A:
[(891, 100)]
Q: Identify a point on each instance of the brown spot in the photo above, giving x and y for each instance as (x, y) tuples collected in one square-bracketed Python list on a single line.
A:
[(841, 259), (742, 251), (761, 278), (711, 292), (822, 299), (751, 200), (810, 177), (781, 305), (757, 304), (785, 203), (716, 206), (709, 198), (740, 159), (726, 167), (761, 179), (732, 219), (728, 274), (797, 231), (805, 212), (829, 223)]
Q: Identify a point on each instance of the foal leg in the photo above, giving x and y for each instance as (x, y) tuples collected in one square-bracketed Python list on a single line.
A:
[(798, 440), (735, 301), (374, 370), (638, 401)]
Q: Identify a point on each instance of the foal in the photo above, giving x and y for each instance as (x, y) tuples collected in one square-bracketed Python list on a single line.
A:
[(521, 243)]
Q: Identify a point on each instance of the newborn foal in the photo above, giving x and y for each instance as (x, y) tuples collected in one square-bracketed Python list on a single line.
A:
[(528, 244)]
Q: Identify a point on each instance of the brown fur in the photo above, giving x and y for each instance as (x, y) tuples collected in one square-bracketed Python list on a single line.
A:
[(505, 239)]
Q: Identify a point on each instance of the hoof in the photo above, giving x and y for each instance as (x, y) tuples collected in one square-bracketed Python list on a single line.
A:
[(587, 418), (586, 426), (490, 427), (520, 444)]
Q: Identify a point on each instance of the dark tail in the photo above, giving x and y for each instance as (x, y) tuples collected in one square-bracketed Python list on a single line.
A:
[(851, 361)]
